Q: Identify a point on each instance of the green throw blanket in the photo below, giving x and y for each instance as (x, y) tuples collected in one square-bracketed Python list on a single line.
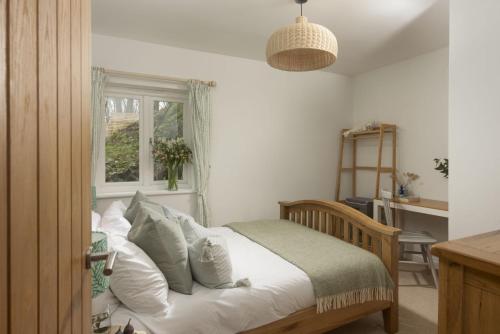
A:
[(341, 274)]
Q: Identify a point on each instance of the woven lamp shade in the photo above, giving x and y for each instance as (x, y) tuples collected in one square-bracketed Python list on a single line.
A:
[(302, 46)]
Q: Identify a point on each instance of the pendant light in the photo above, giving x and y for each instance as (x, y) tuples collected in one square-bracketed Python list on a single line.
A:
[(301, 46)]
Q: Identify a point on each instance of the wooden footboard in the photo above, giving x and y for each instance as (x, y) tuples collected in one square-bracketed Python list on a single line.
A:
[(345, 223), (350, 225)]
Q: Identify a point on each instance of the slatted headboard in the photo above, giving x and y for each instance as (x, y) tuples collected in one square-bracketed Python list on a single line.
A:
[(348, 224)]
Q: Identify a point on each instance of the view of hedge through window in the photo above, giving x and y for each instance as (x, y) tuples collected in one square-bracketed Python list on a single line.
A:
[(122, 139), (122, 135)]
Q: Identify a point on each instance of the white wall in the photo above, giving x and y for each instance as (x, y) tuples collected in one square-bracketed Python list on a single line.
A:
[(412, 94), (274, 134), (474, 116)]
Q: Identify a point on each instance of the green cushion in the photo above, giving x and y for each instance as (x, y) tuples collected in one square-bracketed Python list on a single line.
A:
[(139, 197), (163, 241)]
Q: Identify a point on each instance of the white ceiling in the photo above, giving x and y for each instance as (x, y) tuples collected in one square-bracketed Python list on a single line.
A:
[(371, 33)]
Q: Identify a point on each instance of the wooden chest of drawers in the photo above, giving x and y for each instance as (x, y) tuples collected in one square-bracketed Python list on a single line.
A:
[(469, 279)]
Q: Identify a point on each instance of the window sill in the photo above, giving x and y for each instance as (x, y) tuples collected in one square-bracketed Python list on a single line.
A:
[(146, 192)]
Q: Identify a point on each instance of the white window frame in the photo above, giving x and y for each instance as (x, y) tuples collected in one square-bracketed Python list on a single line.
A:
[(146, 92)]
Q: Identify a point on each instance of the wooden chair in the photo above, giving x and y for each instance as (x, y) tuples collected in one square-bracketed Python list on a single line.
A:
[(411, 238)]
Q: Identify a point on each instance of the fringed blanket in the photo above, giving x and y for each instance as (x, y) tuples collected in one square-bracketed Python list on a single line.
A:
[(341, 274)]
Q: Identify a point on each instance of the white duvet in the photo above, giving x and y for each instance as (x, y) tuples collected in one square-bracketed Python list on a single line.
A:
[(278, 289)]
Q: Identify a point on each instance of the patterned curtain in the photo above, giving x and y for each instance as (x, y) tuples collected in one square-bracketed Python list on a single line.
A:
[(98, 78), (200, 102)]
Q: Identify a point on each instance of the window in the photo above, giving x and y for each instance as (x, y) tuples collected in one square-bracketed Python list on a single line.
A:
[(134, 117), (121, 148)]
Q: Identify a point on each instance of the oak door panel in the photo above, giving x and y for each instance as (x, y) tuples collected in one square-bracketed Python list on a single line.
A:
[(23, 166), (44, 166), (4, 249), (47, 145)]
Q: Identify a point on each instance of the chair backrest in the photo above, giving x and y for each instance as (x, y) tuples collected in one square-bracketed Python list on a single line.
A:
[(386, 199)]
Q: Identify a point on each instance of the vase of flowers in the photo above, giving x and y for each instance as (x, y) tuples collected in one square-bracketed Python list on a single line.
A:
[(404, 180), (172, 154)]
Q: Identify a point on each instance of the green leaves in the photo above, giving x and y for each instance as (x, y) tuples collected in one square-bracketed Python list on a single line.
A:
[(442, 166)]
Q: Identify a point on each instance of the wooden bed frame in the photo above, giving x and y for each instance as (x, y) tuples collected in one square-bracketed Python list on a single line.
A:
[(350, 225)]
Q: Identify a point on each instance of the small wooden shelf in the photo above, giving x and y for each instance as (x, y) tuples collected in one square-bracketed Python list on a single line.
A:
[(388, 128), (368, 134)]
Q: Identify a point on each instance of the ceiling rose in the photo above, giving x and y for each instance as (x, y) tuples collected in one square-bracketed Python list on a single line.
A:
[(301, 46)]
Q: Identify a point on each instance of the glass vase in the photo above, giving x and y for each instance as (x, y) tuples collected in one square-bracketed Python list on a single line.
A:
[(172, 170)]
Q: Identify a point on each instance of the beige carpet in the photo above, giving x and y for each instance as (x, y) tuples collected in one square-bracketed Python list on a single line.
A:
[(418, 306)]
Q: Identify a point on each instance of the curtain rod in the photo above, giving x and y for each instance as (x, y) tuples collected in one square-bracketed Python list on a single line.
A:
[(154, 77)]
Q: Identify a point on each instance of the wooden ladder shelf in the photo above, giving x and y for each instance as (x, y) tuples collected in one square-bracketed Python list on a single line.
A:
[(377, 134)]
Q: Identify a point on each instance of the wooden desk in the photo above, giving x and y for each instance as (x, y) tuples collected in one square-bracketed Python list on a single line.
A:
[(425, 206), (469, 284)]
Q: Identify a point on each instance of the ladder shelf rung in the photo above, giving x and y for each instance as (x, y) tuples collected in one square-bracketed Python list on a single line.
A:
[(379, 134), (382, 169)]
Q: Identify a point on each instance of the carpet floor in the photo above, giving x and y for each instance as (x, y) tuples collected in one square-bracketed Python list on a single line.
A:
[(418, 306)]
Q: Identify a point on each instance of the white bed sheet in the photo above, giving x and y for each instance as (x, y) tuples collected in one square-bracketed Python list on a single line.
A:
[(278, 289)]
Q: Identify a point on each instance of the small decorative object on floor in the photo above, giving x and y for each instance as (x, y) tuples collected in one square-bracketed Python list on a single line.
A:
[(442, 166), (173, 154), (129, 329), (404, 180), (118, 330)]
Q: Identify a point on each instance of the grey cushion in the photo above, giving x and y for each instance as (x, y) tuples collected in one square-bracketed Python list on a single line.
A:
[(139, 197), (210, 263), (163, 241), (192, 230)]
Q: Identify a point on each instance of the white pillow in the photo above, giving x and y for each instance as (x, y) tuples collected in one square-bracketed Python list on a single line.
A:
[(137, 281), (113, 222), (96, 221)]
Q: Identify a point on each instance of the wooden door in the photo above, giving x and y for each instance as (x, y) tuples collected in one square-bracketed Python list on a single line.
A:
[(44, 166)]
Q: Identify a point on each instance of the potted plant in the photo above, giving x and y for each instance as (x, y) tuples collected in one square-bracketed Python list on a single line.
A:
[(442, 166), (172, 154)]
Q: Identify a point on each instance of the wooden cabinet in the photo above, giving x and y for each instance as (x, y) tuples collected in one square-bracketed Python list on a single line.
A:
[(469, 293)]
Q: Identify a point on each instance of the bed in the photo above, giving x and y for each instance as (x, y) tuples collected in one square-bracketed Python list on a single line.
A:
[(281, 299)]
